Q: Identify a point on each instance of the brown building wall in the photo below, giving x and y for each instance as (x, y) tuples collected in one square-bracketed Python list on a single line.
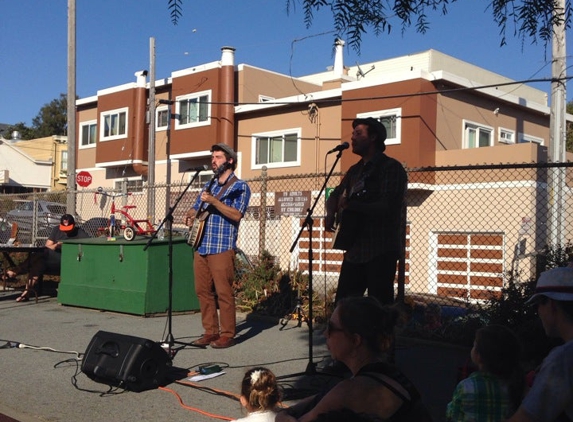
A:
[(252, 82), (122, 149), (202, 137), (418, 113)]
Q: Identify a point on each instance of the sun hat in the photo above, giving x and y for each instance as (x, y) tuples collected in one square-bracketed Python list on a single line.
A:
[(556, 284), (71, 222), (225, 148)]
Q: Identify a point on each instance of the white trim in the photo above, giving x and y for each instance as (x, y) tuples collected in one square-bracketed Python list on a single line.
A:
[(477, 125), (388, 113), (87, 123), (117, 111), (500, 140), (282, 164), (524, 137), (157, 111), (194, 95)]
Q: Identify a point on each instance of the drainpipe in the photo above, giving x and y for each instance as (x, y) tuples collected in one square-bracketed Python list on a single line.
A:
[(139, 112), (227, 107)]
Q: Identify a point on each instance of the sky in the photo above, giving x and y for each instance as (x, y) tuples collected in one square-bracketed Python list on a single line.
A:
[(113, 39)]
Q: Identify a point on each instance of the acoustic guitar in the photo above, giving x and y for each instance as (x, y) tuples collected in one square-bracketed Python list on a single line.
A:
[(347, 224), (197, 228)]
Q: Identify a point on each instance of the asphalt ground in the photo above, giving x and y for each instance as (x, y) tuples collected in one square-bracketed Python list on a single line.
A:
[(42, 381)]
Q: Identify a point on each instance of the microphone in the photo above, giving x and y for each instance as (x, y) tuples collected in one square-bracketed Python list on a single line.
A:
[(200, 168), (341, 147)]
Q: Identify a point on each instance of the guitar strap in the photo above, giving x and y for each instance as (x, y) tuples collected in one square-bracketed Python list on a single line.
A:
[(228, 183)]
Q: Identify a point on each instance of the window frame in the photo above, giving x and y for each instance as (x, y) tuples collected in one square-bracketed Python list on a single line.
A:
[(187, 97), (505, 140), (117, 183), (117, 112), (479, 127), (64, 161), (88, 123), (387, 113), (159, 110), (525, 138), (274, 134)]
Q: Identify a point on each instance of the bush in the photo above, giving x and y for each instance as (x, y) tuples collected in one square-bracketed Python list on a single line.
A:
[(268, 290)]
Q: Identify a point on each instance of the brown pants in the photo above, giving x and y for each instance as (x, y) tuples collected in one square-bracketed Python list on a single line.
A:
[(214, 275)]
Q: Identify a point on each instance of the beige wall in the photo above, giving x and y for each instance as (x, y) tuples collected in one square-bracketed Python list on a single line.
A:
[(252, 82), (318, 137)]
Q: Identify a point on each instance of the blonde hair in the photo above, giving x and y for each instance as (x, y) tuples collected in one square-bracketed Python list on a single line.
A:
[(260, 389)]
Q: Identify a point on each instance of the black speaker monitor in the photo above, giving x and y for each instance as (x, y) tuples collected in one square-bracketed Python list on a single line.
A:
[(133, 363)]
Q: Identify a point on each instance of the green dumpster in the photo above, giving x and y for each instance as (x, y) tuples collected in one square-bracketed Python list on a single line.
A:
[(121, 276)]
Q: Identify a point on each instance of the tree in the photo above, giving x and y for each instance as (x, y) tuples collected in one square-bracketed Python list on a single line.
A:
[(569, 137), (52, 118), (352, 18), (25, 131)]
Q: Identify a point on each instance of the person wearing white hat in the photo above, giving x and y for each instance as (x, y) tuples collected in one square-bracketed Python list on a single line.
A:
[(551, 396)]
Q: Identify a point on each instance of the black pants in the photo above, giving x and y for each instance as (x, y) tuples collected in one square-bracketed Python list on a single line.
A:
[(377, 276), (39, 263)]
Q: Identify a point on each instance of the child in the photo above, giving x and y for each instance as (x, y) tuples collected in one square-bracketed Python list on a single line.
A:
[(259, 395), (495, 390)]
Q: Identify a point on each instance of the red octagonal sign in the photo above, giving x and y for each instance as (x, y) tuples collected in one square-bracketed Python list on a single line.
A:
[(84, 179)]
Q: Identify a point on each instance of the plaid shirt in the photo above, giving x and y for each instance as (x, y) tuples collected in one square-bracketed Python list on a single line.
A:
[(480, 397), (220, 232), (376, 192)]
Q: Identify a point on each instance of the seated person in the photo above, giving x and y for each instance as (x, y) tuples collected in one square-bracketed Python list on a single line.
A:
[(551, 395), (49, 260), (360, 330)]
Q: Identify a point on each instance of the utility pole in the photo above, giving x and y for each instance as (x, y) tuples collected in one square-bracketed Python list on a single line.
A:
[(151, 148), (557, 127), (71, 109)]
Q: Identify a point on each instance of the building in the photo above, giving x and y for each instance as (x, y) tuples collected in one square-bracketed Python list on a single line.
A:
[(35, 165), (438, 111)]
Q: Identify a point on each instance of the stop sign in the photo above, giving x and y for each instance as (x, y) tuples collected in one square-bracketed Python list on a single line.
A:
[(84, 179)]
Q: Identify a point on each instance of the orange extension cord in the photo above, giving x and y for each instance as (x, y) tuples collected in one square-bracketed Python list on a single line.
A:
[(194, 409)]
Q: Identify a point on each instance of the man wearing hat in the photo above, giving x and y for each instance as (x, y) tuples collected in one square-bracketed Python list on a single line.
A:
[(50, 259), (225, 199), (366, 211), (551, 396)]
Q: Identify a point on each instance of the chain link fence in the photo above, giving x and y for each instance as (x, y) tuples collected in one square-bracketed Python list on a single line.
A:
[(467, 227)]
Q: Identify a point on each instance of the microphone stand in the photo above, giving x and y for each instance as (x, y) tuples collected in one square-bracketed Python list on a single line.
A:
[(308, 223), (169, 340)]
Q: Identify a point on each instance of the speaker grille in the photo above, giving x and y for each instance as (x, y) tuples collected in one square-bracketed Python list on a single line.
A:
[(134, 363)]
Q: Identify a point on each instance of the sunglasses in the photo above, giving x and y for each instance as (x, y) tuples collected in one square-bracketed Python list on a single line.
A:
[(331, 328)]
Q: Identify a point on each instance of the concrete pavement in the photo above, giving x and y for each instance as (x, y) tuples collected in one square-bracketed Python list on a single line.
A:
[(43, 382)]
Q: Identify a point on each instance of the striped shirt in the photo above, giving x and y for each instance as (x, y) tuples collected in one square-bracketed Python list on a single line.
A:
[(220, 232)]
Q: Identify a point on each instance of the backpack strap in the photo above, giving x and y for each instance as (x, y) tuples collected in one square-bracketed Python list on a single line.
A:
[(391, 384)]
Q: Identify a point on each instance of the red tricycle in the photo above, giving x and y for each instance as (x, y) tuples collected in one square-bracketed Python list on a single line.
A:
[(125, 225)]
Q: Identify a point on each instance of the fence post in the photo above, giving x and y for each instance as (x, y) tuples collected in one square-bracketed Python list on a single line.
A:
[(263, 211)]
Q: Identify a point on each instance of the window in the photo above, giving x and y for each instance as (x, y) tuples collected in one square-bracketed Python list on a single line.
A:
[(277, 149), (161, 118), (506, 136), (194, 110), (477, 136), (528, 138), (133, 185), (88, 134), (392, 121), (64, 162), (114, 124)]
